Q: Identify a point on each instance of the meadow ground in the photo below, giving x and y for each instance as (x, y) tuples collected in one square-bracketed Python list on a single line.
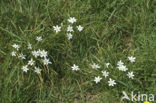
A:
[(113, 30)]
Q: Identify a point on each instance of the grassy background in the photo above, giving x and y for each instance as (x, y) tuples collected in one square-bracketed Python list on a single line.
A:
[(113, 30)]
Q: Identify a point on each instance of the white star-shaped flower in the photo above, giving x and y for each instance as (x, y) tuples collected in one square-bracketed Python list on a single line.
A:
[(107, 64), (35, 53), (21, 56), (75, 67), (37, 70), (122, 68), (131, 59), (25, 68), (105, 74), (69, 35), (57, 28), (29, 46), (120, 63), (95, 66), (39, 38), (31, 62), (111, 82), (97, 79), (72, 20), (46, 61), (80, 28), (16, 46), (70, 28), (39, 52), (130, 75), (43, 53), (13, 53)]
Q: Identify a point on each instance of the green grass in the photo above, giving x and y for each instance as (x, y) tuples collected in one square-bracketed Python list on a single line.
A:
[(113, 30)]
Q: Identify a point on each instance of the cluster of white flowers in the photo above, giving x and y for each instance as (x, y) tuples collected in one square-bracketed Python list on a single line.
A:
[(39, 53), (105, 73), (111, 82), (70, 29), (122, 67), (131, 74), (97, 79), (42, 54), (16, 47)]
